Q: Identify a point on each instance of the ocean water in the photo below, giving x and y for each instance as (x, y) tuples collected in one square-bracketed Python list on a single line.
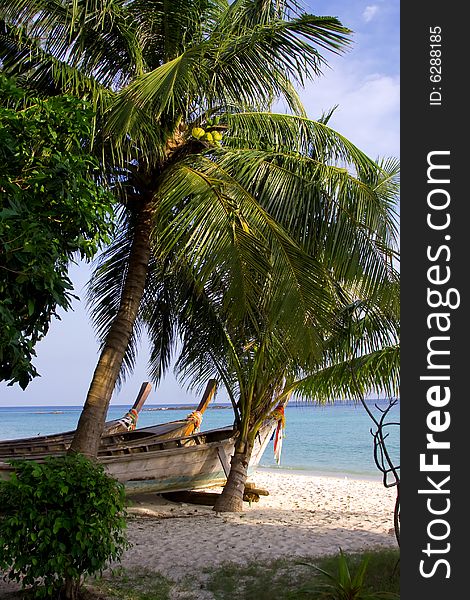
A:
[(332, 440)]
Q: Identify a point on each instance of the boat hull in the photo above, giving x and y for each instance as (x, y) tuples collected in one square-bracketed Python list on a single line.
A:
[(155, 465), (192, 467)]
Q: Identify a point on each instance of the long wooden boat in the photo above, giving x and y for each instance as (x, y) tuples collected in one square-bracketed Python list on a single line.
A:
[(197, 461), (114, 430)]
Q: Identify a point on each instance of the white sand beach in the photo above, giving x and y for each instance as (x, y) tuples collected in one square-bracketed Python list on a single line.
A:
[(303, 515)]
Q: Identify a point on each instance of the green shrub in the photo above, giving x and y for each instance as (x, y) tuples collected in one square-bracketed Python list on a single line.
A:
[(62, 519), (342, 585)]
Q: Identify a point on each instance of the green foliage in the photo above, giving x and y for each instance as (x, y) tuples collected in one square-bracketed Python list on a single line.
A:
[(265, 226), (50, 209), (342, 585), (291, 580), (64, 519)]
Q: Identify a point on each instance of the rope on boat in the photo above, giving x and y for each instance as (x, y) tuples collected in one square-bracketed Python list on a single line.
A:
[(196, 418), (129, 420)]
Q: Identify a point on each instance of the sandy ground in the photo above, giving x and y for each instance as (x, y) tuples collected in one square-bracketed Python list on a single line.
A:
[(303, 515)]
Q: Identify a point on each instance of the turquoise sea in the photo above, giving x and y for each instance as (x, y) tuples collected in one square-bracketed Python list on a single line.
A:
[(331, 440)]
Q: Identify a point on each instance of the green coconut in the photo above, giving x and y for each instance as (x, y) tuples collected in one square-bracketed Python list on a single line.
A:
[(198, 132), (217, 136)]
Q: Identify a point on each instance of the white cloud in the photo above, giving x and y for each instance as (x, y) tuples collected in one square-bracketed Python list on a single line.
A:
[(369, 106), (370, 12)]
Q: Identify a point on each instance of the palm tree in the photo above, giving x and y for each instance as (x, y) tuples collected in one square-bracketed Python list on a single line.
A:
[(280, 345), (262, 366), (218, 210), (186, 61)]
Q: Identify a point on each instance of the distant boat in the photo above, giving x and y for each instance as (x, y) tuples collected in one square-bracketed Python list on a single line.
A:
[(143, 461), (60, 442)]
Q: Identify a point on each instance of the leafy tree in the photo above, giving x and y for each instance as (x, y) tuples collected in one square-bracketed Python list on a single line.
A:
[(241, 229), (51, 210), (157, 74)]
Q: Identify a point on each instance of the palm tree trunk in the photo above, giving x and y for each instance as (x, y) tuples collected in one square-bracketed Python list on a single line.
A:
[(92, 419), (231, 499)]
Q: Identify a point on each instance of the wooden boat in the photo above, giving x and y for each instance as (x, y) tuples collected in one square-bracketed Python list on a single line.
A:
[(196, 462), (191, 462), (113, 431)]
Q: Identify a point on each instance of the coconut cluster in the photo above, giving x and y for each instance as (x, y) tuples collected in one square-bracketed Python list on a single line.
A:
[(210, 136)]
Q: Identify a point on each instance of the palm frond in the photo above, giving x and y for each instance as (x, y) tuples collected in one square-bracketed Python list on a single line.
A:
[(252, 68), (159, 313), (105, 290), (325, 192), (378, 372), (95, 38), (221, 228)]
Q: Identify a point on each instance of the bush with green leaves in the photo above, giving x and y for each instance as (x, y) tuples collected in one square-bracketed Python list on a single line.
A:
[(52, 208), (61, 520)]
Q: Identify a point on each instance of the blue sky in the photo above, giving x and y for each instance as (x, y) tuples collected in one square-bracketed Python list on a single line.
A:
[(364, 82)]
